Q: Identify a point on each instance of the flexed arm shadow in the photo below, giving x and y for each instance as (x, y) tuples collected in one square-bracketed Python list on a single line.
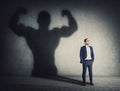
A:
[(43, 42)]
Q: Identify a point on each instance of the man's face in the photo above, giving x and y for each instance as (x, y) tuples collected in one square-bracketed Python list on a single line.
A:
[(87, 42)]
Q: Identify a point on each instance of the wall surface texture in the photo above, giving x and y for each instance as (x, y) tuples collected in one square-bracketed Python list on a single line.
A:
[(99, 21)]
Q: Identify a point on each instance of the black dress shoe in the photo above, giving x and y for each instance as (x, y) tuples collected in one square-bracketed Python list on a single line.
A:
[(91, 83)]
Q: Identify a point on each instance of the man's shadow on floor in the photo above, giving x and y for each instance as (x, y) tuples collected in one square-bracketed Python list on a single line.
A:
[(65, 79)]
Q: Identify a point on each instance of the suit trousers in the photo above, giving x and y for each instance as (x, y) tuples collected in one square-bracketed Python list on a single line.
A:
[(87, 64)]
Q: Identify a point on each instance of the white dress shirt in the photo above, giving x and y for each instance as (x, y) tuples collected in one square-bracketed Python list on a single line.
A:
[(88, 53)]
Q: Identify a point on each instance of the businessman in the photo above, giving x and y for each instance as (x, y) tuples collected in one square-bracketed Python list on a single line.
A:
[(87, 59)]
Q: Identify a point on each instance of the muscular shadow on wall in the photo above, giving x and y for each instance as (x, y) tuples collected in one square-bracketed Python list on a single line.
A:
[(43, 41)]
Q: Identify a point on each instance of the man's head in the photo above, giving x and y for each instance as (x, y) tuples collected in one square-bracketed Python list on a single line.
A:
[(86, 41), (44, 19)]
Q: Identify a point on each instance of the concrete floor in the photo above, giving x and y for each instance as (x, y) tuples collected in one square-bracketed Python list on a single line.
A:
[(59, 84)]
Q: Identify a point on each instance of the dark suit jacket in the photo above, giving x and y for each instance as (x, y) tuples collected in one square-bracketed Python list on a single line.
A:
[(83, 53)]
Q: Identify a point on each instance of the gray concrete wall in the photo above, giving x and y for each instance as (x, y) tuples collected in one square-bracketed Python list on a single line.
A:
[(98, 21)]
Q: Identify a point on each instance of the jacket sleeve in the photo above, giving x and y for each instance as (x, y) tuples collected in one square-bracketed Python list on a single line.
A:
[(92, 54), (81, 55)]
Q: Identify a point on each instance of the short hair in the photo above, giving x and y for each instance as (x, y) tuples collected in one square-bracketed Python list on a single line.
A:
[(85, 39)]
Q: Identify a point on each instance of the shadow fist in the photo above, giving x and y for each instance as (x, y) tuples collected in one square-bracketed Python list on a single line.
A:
[(65, 12), (21, 10)]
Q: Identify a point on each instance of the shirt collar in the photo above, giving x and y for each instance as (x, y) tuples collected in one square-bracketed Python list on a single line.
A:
[(87, 46)]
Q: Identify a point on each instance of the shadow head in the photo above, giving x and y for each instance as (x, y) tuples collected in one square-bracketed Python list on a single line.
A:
[(43, 19)]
